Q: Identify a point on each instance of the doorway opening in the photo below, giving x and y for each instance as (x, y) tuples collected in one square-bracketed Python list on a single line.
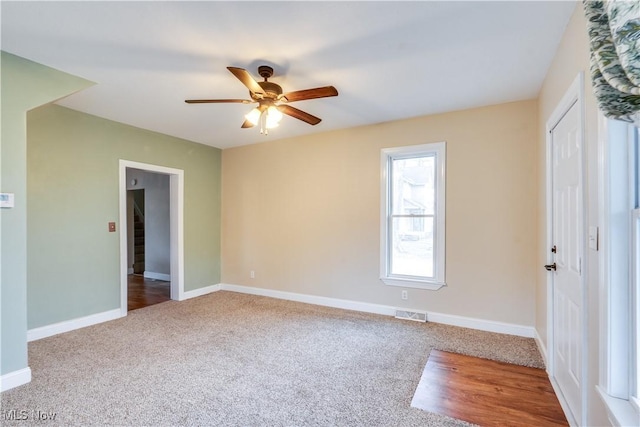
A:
[(135, 229), (151, 257), (148, 251)]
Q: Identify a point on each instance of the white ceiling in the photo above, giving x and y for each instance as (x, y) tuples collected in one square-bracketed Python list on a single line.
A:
[(388, 60)]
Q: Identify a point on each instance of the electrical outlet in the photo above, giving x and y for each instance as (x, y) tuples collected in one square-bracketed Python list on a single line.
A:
[(405, 295), (252, 274)]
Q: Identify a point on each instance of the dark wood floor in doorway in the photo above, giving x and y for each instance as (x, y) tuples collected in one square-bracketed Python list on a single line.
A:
[(144, 292), (486, 392)]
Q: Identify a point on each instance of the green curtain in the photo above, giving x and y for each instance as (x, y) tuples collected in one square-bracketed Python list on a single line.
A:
[(614, 34)]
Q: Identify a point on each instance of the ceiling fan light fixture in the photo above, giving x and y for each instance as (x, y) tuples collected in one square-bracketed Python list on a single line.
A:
[(272, 101), (253, 116), (273, 117)]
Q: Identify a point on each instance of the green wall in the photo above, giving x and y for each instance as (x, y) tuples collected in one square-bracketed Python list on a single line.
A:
[(73, 171), (24, 85)]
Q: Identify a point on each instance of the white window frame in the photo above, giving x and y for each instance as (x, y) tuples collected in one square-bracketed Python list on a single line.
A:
[(438, 150), (634, 393), (618, 277)]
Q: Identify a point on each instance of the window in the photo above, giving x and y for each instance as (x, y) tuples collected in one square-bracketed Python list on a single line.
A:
[(412, 216), (619, 382)]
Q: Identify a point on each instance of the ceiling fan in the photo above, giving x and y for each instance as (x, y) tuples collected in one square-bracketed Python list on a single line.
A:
[(272, 102)]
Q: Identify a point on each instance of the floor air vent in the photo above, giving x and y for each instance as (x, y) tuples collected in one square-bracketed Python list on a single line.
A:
[(417, 316)]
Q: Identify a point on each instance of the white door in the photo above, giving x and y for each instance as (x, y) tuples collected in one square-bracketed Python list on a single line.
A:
[(567, 213)]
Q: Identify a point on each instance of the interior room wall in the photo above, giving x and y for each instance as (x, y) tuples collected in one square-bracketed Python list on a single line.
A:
[(572, 58), (304, 213), (73, 179), (25, 85)]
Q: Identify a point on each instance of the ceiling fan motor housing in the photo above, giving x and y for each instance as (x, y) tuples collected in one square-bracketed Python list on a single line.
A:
[(265, 71), (271, 90)]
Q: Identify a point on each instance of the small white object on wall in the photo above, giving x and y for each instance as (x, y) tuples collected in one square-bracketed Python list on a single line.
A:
[(593, 238), (7, 200)]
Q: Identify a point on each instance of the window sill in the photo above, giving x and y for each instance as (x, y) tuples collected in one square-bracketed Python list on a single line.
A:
[(409, 283), (619, 411)]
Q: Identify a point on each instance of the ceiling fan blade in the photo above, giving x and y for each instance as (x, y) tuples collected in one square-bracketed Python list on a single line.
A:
[(319, 92), (299, 114), (217, 101), (247, 124), (246, 79)]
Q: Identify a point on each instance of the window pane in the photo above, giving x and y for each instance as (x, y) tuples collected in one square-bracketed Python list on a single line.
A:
[(411, 241), (412, 190)]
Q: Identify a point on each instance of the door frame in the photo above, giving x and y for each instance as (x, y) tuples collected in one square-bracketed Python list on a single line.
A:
[(176, 227), (573, 95)]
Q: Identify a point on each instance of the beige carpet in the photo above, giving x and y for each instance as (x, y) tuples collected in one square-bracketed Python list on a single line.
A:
[(228, 359)]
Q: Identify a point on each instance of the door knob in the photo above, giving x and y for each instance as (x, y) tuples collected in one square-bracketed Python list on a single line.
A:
[(550, 267)]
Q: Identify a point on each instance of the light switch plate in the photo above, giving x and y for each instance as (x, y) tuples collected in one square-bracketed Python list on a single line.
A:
[(593, 238), (7, 200), (112, 227)]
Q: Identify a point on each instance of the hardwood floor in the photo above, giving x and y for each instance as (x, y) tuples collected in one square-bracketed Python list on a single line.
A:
[(145, 292), (486, 392)]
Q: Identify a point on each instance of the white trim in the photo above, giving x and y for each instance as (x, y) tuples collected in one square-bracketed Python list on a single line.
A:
[(409, 283), (614, 261), (573, 95), (73, 324), (93, 319), (176, 189), (616, 365), (603, 260), (439, 149), (200, 291), (157, 276), (563, 402), (313, 299), (481, 324), (176, 226), (129, 270), (619, 411), (447, 319), (15, 379), (548, 245), (541, 347)]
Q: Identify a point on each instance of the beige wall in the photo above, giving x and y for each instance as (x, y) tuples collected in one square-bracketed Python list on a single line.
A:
[(304, 213), (571, 58)]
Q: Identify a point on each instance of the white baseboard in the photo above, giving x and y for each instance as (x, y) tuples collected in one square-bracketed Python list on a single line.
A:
[(563, 403), (313, 299), (200, 291), (157, 276), (447, 319), (129, 270), (541, 347), (481, 324), (15, 379), (70, 325)]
